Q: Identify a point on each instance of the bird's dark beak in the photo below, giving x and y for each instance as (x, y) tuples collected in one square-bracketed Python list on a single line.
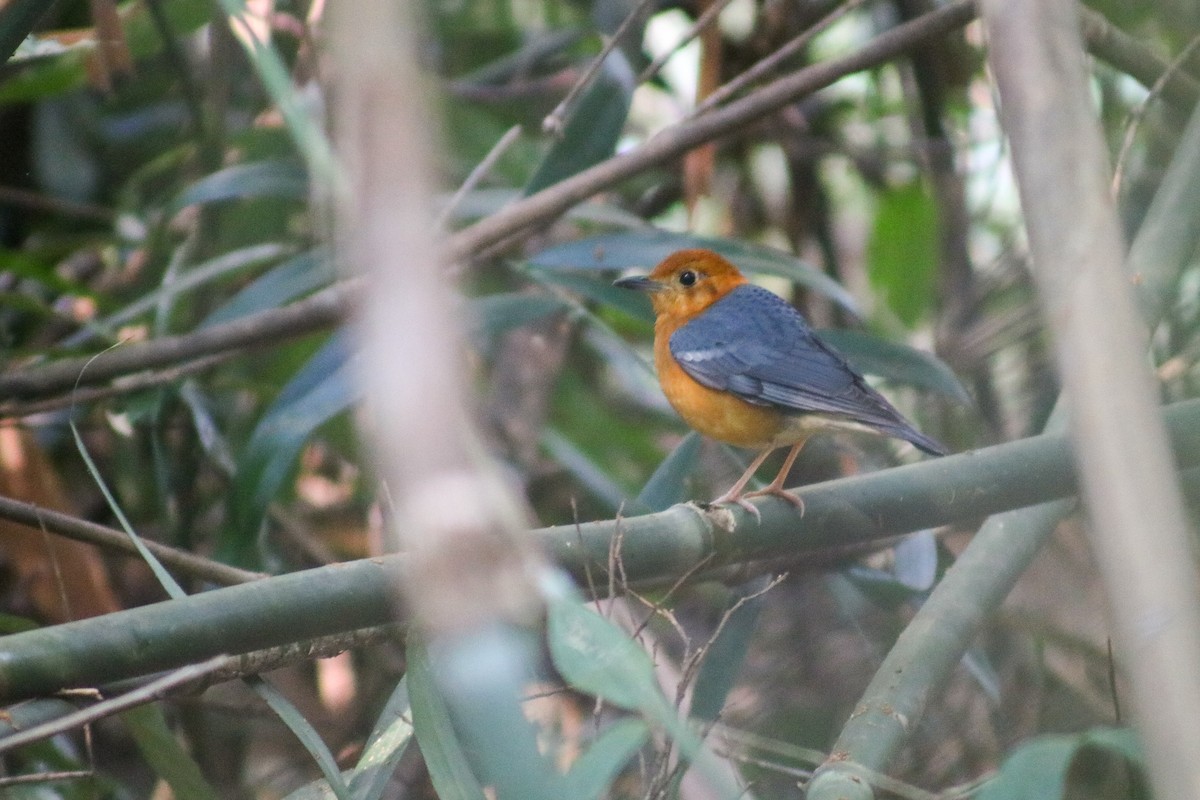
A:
[(639, 283)]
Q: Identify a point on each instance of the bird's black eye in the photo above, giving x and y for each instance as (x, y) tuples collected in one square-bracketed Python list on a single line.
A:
[(687, 277)]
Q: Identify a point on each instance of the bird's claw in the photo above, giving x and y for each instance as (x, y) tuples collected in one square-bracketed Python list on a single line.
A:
[(738, 500), (781, 493)]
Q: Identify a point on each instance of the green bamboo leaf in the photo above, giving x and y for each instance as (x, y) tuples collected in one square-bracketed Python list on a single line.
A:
[(291, 279), (592, 775), (643, 249), (595, 125), (600, 290), (48, 68), (536, 49), (390, 738), (303, 126), (1054, 767), (164, 578), (448, 767), (157, 743), (323, 388), (303, 730), (496, 313), (42, 76), (195, 276), (599, 658), (668, 485), (902, 253), (725, 656), (212, 439), (386, 744), (273, 178), (483, 675), (583, 468), (897, 362)]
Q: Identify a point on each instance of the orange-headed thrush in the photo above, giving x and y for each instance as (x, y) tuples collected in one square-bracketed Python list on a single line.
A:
[(742, 366)]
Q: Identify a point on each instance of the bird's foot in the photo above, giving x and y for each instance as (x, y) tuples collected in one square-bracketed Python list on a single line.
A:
[(781, 493), (738, 499)]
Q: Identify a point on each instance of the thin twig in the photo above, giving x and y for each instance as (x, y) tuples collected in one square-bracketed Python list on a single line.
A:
[(1131, 56), (82, 530), (10, 195), (553, 123), (270, 659), (771, 63), (317, 312), (707, 18), (1112, 683), (138, 697), (46, 777), (692, 663), (515, 221), (1137, 114), (123, 386), (479, 173)]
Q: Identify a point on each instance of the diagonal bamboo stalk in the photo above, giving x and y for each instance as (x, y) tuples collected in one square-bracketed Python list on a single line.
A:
[(1138, 527)]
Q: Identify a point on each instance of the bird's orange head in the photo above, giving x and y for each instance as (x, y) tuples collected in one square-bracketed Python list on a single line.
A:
[(687, 282)]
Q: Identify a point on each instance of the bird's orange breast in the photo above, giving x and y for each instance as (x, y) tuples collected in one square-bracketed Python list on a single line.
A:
[(714, 413)]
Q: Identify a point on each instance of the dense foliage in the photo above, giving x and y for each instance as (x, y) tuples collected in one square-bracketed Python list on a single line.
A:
[(177, 363)]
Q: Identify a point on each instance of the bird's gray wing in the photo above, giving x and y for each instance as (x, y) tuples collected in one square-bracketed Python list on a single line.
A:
[(753, 344)]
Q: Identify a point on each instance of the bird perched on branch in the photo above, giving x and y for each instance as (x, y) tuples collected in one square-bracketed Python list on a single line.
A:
[(742, 366)]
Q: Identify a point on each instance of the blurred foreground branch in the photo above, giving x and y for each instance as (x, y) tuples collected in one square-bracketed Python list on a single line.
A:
[(1137, 521)]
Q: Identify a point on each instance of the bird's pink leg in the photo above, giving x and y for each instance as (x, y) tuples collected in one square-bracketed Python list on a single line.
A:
[(775, 488), (736, 492)]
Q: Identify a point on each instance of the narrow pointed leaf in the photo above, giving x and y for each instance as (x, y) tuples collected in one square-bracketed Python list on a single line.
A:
[(643, 249), (897, 362), (593, 774), (668, 485), (497, 313), (389, 739), (597, 657), (160, 748), (323, 388), (902, 254), (276, 178), (303, 730), (593, 127), (448, 767), (283, 283)]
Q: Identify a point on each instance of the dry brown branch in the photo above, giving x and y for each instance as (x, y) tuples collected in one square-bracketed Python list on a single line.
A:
[(321, 311), (1138, 525), (673, 142), (82, 530)]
